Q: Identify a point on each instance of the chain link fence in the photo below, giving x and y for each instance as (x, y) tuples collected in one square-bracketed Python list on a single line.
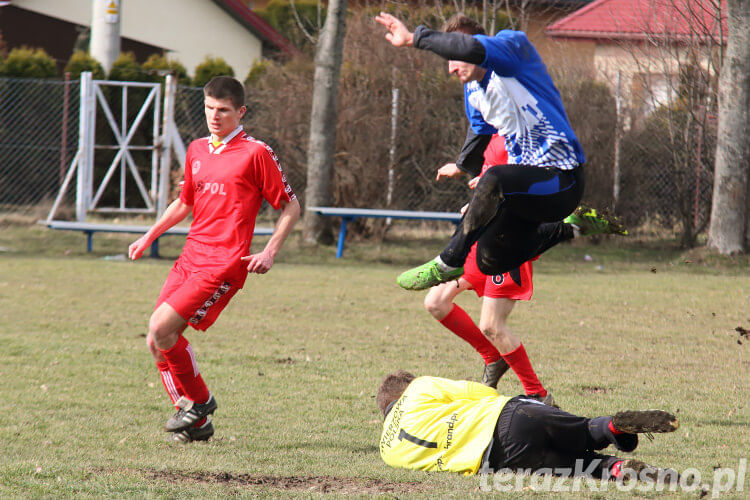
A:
[(38, 140), (191, 124), (666, 160), (665, 175)]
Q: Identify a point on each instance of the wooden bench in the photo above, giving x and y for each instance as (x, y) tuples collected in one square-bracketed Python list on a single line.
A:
[(90, 228), (349, 214)]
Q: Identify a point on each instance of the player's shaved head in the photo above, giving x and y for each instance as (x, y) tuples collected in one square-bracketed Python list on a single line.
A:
[(392, 387), (226, 87), (463, 24)]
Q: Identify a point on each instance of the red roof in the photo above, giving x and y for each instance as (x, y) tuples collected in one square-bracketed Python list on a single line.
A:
[(257, 25), (674, 20)]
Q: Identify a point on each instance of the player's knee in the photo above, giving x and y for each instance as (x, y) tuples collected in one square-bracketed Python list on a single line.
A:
[(150, 343), (489, 183), (486, 263), (435, 305), (153, 348), (159, 332)]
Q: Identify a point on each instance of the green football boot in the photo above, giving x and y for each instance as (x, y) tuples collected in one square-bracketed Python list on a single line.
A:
[(590, 222), (427, 275)]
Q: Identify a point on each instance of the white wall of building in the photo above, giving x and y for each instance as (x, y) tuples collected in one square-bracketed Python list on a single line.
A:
[(190, 29)]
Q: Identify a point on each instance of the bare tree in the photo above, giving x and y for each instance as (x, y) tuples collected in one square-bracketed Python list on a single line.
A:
[(320, 155), (730, 220), (676, 65)]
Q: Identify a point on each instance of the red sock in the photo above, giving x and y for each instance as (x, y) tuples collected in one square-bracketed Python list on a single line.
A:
[(519, 361), (460, 323), (183, 367), (172, 386), (612, 428), (616, 469)]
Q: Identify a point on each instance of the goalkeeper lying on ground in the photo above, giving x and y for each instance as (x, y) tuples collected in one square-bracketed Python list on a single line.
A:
[(438, 424)]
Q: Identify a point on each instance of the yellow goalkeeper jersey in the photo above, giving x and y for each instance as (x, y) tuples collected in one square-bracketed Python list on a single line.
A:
[(440, 424)]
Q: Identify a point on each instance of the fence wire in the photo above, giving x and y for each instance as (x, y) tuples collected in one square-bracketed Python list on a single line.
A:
[(191, 123), (663, 177), (38, 140)]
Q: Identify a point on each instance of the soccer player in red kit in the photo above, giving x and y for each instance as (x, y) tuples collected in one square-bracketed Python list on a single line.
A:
[(492, 339), (227, 177)]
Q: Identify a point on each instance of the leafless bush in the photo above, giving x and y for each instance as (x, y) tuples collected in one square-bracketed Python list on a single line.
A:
[(593, 116), (430, 126)]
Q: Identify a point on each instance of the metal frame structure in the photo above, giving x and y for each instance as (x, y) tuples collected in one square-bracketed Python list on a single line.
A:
[(155, 198)]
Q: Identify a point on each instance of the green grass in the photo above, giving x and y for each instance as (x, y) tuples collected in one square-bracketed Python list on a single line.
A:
[(296, 359)]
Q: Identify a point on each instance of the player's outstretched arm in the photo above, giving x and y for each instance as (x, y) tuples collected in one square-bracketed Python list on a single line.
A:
[(261, 262), (175, 212), (398, 34)]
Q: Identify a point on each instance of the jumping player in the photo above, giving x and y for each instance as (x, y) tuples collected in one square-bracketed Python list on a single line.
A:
[(507, 90), (436, 424), (499, 348), (227, 177)]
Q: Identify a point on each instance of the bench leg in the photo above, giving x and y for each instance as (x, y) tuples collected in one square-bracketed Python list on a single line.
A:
[(155, 249), (89, 238), (342, 236)]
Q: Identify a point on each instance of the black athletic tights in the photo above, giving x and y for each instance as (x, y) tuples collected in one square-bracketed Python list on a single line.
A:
[(507, 215), (535, 436)]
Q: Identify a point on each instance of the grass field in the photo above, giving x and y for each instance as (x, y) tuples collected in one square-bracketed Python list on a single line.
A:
[(296, 359)]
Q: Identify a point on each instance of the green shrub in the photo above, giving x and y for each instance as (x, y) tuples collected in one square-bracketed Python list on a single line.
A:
[(25, 62), (211, 67), (81, 61), (258, 69), (127, 69), (156, 64)]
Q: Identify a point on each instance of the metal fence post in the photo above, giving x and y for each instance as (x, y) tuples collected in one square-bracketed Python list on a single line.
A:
[(618, 139), (84, 159), (64, 138), (392, 150), (170, 88)]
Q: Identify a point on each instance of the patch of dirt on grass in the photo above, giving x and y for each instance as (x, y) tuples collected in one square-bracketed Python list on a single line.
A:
[(317, 484)]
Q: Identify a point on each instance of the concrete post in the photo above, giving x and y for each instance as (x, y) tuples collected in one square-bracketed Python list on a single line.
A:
[(105, 32)]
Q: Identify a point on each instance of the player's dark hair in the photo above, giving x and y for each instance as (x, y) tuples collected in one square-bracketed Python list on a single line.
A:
[(226, 87), (463, 24), (392, 387)]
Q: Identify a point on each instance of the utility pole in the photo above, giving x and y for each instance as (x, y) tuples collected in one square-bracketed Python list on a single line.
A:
[(105, 32)]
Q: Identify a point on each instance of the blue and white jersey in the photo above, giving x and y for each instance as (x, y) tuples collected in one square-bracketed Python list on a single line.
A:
[(518, 99)]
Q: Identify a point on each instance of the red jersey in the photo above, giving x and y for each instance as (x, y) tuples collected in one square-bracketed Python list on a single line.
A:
[(495, 153), (226, 185)]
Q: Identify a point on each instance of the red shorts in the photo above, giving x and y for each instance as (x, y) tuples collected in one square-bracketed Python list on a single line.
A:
[(196, 296), (517, 284)]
